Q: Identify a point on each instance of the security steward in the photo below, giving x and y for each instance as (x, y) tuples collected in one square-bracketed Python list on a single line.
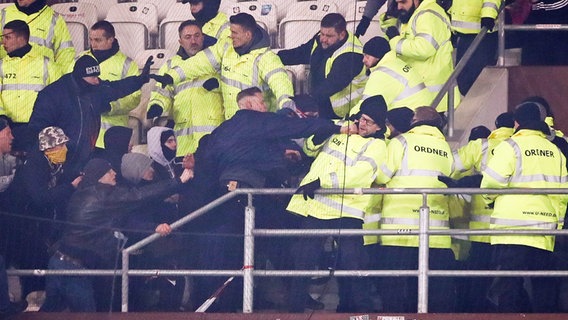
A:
[(197, 105), (337, 166), (23, 73), (526, 160), (337, 74), (206, 12), (114, 65), (243, 61), (48, 30), (416, 159)]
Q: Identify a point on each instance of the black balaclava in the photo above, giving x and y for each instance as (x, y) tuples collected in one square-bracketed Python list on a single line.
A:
[(32, 8), (209, 11), (169, 154)]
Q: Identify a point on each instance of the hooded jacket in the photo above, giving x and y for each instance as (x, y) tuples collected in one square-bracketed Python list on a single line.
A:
[(164, 168)]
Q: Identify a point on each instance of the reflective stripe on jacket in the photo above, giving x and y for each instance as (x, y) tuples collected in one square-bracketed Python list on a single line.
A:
[(526, 160), (466, 14), (415, 160)]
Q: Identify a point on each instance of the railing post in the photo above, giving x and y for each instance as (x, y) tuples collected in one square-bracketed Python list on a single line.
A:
[(125, 267), (248, 263), (423, 254), (501, 37), (451, 109)]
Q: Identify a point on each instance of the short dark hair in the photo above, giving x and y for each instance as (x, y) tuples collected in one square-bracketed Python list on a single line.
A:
[(19, 28), (106, 27), (244, 20), (335, 21), (248, 92), (189, 23)]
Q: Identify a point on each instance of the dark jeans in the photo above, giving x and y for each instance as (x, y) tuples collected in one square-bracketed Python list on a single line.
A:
[(476, 288), (353, 292), (484, 55), (510, 293), (4, 295), (73, 292)]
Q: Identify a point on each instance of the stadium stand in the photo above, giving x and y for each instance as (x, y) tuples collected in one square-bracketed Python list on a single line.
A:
[(354, 14), (168, 37), (79, 18), (302, 22), (265, 13), (103, 6)]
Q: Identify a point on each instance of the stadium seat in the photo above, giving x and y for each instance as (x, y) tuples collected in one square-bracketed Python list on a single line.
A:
[(298, 74), (103, 6), (168, 38), (302, 22), (162, 5), (264, 12), (160, 57), (354, 15), (135, 24), (4, 5), (79, 18)]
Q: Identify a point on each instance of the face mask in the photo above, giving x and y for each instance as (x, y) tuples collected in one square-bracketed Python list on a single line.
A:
[(57, 156)]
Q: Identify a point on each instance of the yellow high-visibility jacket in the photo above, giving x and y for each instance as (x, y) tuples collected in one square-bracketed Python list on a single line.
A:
[(48, 30), (196, 111), (415, 160), (526, 160), (217, 27), (20, 81), (466, 14)]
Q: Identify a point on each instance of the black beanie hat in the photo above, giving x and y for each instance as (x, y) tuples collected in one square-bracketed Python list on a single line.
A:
[(479, 132), (376, 108), (86, 66), (3, 123), (93, 171), (376, 47), (117, 139), (505, 120), (528, 112), (400, 118)]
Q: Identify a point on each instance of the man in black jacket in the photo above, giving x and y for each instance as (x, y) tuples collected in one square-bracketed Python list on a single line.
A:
[(96, 212), (75, 103)]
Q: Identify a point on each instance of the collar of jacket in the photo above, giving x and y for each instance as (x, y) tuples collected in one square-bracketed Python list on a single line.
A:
[(329, 51), (426, 129), (20, 53), (32, 8), (501, 133), (102, 55), (540, 126), (260, 40)]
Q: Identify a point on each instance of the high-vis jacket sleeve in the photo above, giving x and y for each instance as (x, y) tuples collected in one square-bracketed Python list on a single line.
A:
[(275, 76), (205, 62)]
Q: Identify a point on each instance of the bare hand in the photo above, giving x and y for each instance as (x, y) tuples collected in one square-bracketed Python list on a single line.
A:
[(350, 129), (163, 229), (75, 183), (188, 161), (186, 175), (292, 155)]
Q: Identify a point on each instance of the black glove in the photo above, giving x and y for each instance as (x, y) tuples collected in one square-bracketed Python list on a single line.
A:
[(145, 75), (210, 84), (154, 111), (488, 23), (392, 32), (308, 190), (470, 181), (362, 26), (164, 80), (323, 133), (451, 183)]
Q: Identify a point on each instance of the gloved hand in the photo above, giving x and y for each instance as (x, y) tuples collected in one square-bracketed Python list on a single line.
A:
[(154, 111), (488, 23), (470, 181), (146, 70), (308, 190), (392, 32), (164, 80), (362, 26), (451, 183), (323, 133), (210, 84)]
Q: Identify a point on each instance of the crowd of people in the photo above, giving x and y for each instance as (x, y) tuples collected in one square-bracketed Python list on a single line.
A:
[(73, 194)]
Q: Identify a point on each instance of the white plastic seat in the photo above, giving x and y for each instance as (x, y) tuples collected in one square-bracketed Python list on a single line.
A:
[(264, 12), (163, 6), (354, 15), (298, 74), (79, 18), (302, 22), (103, 6), (168, 37), (160, 57), (135, 24)]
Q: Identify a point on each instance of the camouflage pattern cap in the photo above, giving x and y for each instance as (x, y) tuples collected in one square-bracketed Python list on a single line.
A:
[(51, 137)]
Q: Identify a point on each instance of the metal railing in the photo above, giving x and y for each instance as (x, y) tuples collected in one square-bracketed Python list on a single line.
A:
[(248, 272)]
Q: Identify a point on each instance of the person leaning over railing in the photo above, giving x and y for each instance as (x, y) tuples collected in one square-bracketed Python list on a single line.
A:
[(96, 212), (526, 160)]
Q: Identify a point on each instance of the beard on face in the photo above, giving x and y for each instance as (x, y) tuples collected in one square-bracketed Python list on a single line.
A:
[(404, 15)]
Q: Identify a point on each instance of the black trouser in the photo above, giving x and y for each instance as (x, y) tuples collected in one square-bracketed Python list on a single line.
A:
[(351, 256), (484, 55), (476, 288), (510, 293), (400, 294)]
